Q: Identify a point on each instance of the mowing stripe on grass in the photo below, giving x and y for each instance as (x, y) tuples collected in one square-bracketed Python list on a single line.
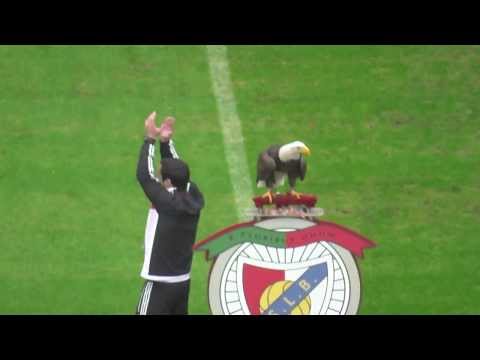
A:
[(231, 127)]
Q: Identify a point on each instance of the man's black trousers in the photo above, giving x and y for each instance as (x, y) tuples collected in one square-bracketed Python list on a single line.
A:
[(160, 298)]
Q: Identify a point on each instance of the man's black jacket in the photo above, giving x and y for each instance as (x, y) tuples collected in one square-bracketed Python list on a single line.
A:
[(178, 215)]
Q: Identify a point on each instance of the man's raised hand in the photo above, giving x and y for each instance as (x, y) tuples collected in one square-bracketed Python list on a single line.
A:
[(166, 129), (151, 129)]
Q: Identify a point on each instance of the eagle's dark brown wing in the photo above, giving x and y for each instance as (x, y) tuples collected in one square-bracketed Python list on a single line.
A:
[(266, 169), (296, 169), (303, 168)]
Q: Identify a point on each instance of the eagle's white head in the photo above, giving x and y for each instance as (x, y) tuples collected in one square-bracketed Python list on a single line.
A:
[(293, 150)]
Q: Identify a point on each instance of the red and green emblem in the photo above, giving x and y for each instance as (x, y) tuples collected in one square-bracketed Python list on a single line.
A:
[(284, 265)]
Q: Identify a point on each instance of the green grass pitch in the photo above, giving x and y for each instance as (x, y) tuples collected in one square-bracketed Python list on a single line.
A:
[(395, 139)]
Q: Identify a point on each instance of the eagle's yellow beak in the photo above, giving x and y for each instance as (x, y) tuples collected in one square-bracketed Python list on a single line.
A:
[(305, 151)]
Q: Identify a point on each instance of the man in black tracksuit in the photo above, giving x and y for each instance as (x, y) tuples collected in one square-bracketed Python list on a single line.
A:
[(171, 224)]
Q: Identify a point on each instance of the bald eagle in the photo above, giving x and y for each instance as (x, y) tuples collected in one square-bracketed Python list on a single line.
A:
[(280, 161)]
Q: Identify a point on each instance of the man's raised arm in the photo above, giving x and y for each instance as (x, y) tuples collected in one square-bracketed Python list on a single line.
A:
[(152, 186), (167, 146)]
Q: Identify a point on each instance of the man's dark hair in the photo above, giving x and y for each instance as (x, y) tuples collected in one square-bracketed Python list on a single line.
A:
[(177, 171)]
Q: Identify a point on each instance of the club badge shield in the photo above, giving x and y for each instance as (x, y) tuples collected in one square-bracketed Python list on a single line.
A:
[(284, 265)]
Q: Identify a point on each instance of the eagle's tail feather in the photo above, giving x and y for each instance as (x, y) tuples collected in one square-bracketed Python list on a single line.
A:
[(261, 183)]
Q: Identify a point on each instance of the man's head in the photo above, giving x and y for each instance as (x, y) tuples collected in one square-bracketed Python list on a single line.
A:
[(176, 171)]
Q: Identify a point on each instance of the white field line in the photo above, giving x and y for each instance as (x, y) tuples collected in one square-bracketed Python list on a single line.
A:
[(231, 127)]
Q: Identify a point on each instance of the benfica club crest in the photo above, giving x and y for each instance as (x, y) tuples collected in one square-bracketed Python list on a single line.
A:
[(284, 262)]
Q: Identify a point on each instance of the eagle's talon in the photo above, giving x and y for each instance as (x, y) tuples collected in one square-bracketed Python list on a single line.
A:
[(295, 194), (268, 195)]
